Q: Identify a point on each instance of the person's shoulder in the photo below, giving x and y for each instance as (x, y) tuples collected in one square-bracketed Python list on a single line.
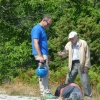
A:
[(36, 26), (82, 41), (68, 43)]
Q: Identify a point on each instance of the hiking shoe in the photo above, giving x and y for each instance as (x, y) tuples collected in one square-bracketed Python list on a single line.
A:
[(48, 96)]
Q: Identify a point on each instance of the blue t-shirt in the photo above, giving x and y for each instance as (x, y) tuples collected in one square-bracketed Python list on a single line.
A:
[(38, 32)]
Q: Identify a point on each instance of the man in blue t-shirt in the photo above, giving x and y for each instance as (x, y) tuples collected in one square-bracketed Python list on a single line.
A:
[(40, 52)]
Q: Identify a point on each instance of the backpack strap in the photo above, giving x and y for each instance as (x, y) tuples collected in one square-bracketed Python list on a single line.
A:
[(74, 84), (62, 90), (57, 92)]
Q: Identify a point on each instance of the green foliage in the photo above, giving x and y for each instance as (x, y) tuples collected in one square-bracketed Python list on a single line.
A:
[(58, 76), (98, 87), (28, 76), (94, 78), (17, 19)]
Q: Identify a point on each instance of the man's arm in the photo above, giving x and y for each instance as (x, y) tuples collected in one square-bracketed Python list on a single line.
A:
[(37, 47), (87, 61), (63, 53)]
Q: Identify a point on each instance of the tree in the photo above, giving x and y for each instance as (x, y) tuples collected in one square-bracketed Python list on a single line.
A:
[(18, 17)]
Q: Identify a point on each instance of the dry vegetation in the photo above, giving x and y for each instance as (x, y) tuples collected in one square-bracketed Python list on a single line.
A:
[(19, 88)]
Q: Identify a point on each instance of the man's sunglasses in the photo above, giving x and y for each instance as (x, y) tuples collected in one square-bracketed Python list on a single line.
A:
[(48, 24)]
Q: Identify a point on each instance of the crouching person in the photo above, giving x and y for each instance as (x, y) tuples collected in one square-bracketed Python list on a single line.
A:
[(69, 92)]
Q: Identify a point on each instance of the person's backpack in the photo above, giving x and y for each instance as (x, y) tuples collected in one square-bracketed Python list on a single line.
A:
[(68, 90)]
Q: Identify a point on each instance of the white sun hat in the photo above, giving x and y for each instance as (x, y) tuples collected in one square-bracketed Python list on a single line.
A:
[(72, 34)]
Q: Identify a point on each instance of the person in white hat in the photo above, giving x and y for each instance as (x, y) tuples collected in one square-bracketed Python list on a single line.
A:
[(79, 61)]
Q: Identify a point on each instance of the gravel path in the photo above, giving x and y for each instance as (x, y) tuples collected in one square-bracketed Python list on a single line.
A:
[(7, 97)]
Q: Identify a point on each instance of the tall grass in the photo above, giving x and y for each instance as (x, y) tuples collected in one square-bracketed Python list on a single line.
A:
[(25, 89), (27, 83)]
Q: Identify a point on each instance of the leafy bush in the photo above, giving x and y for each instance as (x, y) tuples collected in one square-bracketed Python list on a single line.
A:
[(98, 87), (17, 19)]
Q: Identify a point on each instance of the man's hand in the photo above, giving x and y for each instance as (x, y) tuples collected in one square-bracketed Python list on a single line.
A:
[(85, 69), (60, 54), (41, 59)]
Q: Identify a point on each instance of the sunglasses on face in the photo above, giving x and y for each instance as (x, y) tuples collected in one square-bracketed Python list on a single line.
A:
[(48, 24)]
